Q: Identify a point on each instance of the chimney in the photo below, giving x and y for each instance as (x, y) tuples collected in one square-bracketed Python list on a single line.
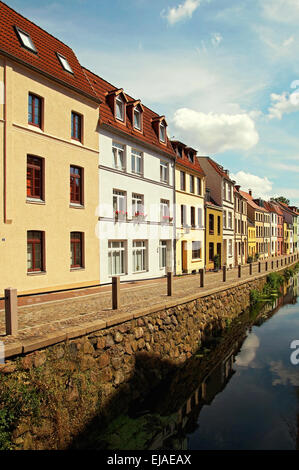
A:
[(250, 192), (237, 186)]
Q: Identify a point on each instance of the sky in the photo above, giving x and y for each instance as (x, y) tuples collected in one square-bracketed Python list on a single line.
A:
[(225, 73)]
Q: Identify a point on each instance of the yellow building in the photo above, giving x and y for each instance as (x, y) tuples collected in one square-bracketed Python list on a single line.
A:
[(50, 148), (287, 238), (251, 239), (189, 194), (214, 221)]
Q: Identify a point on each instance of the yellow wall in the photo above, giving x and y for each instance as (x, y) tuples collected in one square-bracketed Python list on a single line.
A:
[(213, 238), (56, 218), (194, 234), (251, 241)]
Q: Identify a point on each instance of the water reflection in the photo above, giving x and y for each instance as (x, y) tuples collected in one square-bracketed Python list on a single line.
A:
[(244, 394)]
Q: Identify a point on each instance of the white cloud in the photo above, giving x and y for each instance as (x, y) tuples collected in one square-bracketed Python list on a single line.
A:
[(283, 11), (261, 187), (286, 167), (284, 375), (216, 39), (285, 103), (288, 41), (211, 132), (248, 351), (181, 12)]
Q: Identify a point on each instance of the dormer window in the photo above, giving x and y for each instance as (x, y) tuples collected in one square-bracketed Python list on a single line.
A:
[(137, 118), (120, 108), (162, 132), (65, 65), (191, 157), (25, 40)]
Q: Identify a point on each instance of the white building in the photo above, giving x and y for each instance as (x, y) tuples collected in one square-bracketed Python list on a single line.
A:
[(136, 226), (222, 191)]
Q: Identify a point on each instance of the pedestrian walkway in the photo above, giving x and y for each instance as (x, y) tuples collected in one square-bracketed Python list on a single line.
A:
[(54, 313)]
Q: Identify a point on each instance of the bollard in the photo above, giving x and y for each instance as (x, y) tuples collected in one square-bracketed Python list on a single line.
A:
[(239, 271), (259, 267), (202, 278), (250, 269), (115, 292), (224, 273), (11, 311), (169, 283)]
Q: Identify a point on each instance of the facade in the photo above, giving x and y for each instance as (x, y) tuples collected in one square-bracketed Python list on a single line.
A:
[(48, 122), (256, 214), (213, 240), (240, 242), (295, 228), (266, 249), (190, 222), (251, 239), (136, 188), (222, 192)]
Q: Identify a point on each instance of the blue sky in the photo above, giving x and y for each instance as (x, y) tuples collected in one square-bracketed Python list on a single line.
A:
[(223, 72)]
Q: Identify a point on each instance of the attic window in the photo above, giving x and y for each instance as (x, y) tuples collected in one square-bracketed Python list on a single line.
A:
[(137, 118), (120, 108), (25, 40), (179, 151), (162, 133), (191, 157), (64, 63)]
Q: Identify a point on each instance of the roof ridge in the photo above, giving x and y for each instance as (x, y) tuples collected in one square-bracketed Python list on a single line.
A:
[(37, 26)]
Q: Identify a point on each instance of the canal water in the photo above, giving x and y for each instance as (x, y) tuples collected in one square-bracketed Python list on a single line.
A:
[(241, 391)]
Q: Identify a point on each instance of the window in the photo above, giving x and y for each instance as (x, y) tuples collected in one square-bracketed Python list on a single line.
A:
[(34, 110), (230, 220), (137, 118), (116, 258), (196, 250), (198, 186), (211, 251), (191, 157), (200, 217), (229, 192), (76, 185), (35, 248), (76, 250), (120, 108), (183, 215), (162, 253), (211, 224), (139, 256), (137, 205), (179, 151), (119, 203), (218, 224), (191, 184), (183, 180), (224, 219), (25, 40), (34, 177), (65, 65), (136, 161), (162, 133), (164, 172), (230, 248), (164, 211), (224, 190), (193, 216), (76, 126), (118, 152)]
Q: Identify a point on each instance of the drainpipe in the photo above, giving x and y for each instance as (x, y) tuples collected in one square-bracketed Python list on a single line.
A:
[(4, 146), (174, 217)]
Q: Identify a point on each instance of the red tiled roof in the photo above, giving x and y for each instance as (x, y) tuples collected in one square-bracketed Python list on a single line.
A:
[(148, 134), (184, 160), (218, 168), (275, 208), (251, 201), (45, 60)]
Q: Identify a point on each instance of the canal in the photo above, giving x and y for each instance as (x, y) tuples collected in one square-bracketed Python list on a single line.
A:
[(241, 391)]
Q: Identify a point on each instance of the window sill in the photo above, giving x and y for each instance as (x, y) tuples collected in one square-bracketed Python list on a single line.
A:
[(35, 201), (82, 268), (138, 272), (76, 206), (76, 141), (35, 127), (36, 273), (196, 260)]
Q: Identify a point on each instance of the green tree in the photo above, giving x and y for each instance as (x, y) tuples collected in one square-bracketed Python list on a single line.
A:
[(281, 199)]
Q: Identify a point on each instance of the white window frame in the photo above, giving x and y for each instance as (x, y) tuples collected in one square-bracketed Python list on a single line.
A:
[(139, 246), (162, 132), (164, 172), (191, 183), (163, 246), (164, 210), (135, 157), (26, 40), (138, 113), (137, 204), (121, 249), (64, 63), (119, 156), (120, 198), (119, 110)]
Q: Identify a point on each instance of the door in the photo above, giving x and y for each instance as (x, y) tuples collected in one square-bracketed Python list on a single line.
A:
[(184, 257)]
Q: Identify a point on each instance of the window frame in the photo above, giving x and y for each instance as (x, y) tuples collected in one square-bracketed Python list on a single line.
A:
[(74, 115), (121, 249), (35, 97), (115, 153), (162, 248), (34, 166), (119, 99), (66, 67), (196, 250), (34, 242), (21, 32), (144, 254), (136, 155), (164, 168), (80, 201), (162, 126), (78, 241), (138, 110)]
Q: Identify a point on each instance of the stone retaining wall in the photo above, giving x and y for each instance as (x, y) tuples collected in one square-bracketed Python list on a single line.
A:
[(64, 386)]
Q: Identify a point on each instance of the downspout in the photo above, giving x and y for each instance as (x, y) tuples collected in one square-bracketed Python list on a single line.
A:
[(4, 147), (174, 217)]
